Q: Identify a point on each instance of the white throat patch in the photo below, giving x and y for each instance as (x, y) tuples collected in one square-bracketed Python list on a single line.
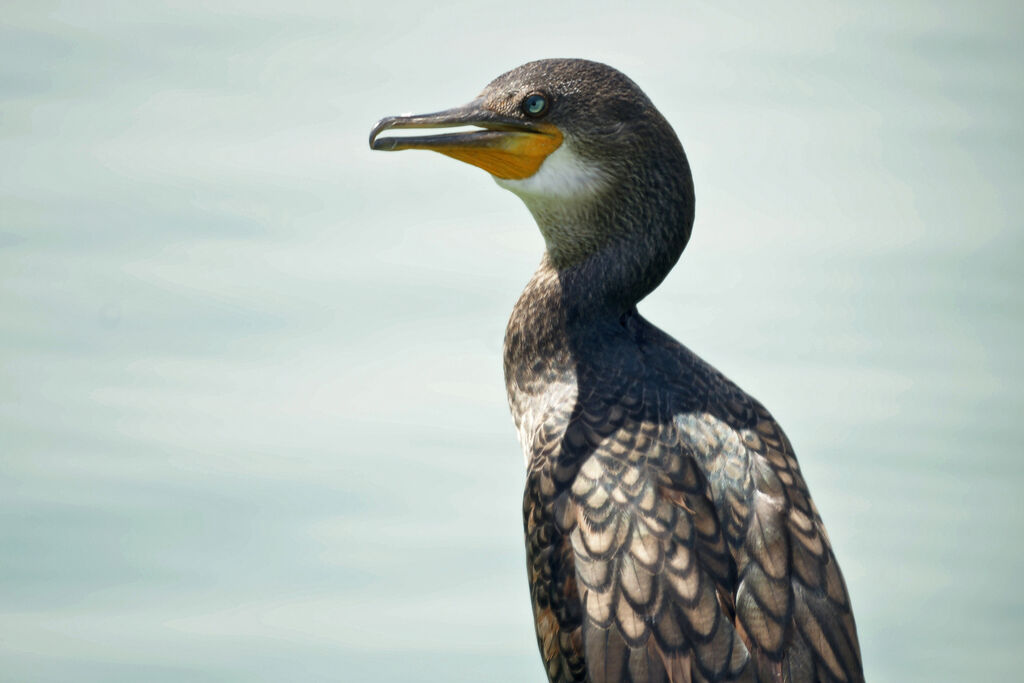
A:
[(562, 176)]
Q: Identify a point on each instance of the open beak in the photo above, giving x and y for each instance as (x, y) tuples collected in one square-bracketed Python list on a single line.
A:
[(505, 147)]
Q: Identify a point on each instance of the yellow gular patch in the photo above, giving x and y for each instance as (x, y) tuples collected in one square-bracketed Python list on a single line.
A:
[(512, 156)]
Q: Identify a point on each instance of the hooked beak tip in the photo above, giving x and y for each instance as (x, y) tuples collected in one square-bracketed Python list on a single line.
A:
[(378, 128)]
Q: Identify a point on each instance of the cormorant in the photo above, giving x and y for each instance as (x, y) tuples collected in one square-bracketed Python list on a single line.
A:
[(669, 533)]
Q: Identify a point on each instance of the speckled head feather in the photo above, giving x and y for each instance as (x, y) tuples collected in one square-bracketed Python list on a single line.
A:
[(599, 167), (597, 106), (620, 178)]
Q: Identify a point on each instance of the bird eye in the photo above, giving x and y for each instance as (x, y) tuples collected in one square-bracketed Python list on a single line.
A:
[(535, 105)]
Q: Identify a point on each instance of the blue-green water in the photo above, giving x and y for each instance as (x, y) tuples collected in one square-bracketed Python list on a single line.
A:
[(252, 420)]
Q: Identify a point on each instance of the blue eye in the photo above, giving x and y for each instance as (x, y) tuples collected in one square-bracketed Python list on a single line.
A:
[(535, 105)]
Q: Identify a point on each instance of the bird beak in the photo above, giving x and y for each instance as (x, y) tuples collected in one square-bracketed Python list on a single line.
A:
[(505, 147)]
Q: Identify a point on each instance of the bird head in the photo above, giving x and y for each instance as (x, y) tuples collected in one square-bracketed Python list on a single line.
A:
[(584, 148)]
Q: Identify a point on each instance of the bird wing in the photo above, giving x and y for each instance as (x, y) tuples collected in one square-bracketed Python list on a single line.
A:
[(791, 604), (670, 537), (792, 607), (631, 577)]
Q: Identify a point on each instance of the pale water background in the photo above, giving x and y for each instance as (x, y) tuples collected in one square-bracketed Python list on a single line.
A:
[(252, 419)]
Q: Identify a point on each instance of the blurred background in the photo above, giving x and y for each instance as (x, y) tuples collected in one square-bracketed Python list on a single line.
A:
[(252, 418)]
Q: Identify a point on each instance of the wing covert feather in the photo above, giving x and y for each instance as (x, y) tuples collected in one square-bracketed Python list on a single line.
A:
[(671, 536)]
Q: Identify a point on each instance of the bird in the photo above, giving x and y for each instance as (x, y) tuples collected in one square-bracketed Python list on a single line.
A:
[(670, 535)]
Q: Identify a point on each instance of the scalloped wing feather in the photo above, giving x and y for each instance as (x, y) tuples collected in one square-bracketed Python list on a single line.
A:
[(671, 536)]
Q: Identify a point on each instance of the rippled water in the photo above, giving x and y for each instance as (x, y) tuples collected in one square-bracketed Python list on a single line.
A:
[(252, 421)]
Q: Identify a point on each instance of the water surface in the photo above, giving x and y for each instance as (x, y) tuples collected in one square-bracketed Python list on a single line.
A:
[(252, 419)]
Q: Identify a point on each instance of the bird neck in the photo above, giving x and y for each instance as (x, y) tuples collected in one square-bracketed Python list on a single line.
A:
[(611, 252), (564, 317), (605, 252)]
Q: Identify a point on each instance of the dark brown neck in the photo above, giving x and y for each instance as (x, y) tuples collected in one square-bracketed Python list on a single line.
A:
[(572, 308), (536, 339), (562, 320)]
